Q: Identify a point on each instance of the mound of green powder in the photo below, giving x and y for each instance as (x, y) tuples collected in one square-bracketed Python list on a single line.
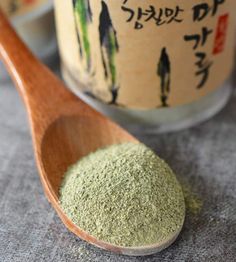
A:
[(125, 195)]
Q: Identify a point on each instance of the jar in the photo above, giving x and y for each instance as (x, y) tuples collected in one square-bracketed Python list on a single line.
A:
[(34, 22), (164, 65)]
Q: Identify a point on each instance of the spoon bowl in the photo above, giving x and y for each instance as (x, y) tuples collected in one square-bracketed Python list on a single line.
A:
[(63, 128), (65, 141)]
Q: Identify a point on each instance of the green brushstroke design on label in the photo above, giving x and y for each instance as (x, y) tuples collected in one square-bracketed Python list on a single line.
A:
[(112, 53), (83, 17)]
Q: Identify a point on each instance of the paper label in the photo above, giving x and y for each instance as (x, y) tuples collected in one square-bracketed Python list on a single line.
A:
[(148, 53)]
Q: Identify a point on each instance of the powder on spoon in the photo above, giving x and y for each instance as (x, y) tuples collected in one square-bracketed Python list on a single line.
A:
[(124, 195)]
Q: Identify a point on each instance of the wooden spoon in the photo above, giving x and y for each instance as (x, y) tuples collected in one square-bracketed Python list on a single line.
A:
[(63, 127)]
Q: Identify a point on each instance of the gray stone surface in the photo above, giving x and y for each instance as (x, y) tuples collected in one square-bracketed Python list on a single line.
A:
[(203, 156)]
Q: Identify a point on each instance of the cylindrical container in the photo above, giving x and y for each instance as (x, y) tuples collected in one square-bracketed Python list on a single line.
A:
[(163, 64), (34, 22)]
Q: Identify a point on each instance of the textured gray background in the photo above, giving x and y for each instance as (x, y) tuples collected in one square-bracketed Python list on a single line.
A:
[(203, 156)]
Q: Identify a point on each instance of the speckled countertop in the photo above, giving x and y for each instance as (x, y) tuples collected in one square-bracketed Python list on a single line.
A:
[(203, 156)]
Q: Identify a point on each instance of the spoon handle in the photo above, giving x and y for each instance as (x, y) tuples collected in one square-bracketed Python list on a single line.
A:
[(21, 64), (43, 93)]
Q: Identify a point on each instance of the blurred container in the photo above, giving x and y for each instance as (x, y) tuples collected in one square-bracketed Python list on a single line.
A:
[(143, 70), (34, 22)]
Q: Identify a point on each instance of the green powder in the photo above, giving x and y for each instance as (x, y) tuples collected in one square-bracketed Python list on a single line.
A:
[(192, 202), (125, 195)]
